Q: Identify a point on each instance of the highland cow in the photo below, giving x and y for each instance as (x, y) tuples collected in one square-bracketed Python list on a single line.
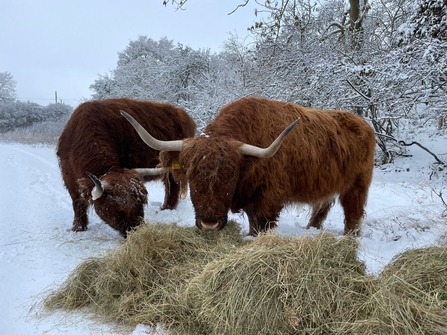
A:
[(328, 154), (100, 155)]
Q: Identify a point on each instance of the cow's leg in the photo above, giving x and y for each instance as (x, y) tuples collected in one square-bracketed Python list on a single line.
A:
[(79, 191), (353, 202), (172, 193), (80, 221), (319, 213), (252, 221), (261, 221)]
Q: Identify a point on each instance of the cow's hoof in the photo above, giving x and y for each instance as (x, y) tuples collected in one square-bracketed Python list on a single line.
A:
[(78, 229)]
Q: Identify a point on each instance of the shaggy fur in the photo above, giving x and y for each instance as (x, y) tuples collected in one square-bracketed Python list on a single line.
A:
[(97, 139), (328, 153)]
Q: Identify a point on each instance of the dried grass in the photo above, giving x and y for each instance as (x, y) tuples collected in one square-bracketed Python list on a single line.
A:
[(193, 282), (416, 284), (282, 285), (142, 281)]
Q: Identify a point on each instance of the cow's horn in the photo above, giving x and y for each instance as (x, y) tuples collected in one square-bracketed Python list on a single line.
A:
[(98, 190), (151, 141), (251, 150), (150, 171)]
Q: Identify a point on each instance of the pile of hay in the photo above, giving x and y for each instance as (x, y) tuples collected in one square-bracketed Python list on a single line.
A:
[(282, 285), (192, 282), (143, 280), (317, 285), (415, 284)]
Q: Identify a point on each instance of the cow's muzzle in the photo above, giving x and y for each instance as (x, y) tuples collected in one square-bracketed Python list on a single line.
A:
[(214, 224)]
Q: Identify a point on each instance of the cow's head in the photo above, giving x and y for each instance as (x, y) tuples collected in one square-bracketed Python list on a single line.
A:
[(119, 197), (212, 166)]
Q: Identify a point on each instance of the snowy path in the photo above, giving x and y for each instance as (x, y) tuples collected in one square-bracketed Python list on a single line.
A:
[(37, 248)]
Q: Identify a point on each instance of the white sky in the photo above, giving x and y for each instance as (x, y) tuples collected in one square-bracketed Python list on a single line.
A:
[(50, 45)]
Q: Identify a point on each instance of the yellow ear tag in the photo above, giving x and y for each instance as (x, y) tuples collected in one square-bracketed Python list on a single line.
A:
[(175, 165)]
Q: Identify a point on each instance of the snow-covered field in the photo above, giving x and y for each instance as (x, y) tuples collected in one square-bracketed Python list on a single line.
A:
[(38, 250)]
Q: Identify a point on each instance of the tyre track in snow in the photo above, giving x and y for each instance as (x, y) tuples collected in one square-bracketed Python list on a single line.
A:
[(40, 170), (45, 206), (33, 200), (37, 247)]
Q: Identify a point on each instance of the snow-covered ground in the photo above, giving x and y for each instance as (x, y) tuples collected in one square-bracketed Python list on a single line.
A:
[(38, 250)]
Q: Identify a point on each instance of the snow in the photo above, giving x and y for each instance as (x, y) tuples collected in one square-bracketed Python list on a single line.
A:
[(38, 250)]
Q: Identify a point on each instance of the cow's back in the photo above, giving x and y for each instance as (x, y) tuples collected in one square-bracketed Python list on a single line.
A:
[(98, 139), (320, 157)]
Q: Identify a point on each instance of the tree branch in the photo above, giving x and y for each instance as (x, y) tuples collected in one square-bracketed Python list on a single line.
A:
[(424, 148), (355, 89), (179, 3), (241, 5)]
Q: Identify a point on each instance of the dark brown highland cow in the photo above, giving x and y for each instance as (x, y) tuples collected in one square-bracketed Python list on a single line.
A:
[(100, 153), (329, 153)]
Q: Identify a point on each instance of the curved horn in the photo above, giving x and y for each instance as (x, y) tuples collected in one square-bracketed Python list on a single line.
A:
[(252, 150), (151, 141), (150, 171), (98, 190)]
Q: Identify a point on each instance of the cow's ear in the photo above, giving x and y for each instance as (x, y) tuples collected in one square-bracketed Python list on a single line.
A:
[(98, 190), (85, 186)]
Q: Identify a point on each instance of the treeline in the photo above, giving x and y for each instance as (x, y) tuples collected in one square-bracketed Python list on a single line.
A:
[(18, 114), (385, 60)]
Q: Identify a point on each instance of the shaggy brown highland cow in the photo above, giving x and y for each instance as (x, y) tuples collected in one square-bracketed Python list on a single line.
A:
[(328, 154), (100, 153)]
